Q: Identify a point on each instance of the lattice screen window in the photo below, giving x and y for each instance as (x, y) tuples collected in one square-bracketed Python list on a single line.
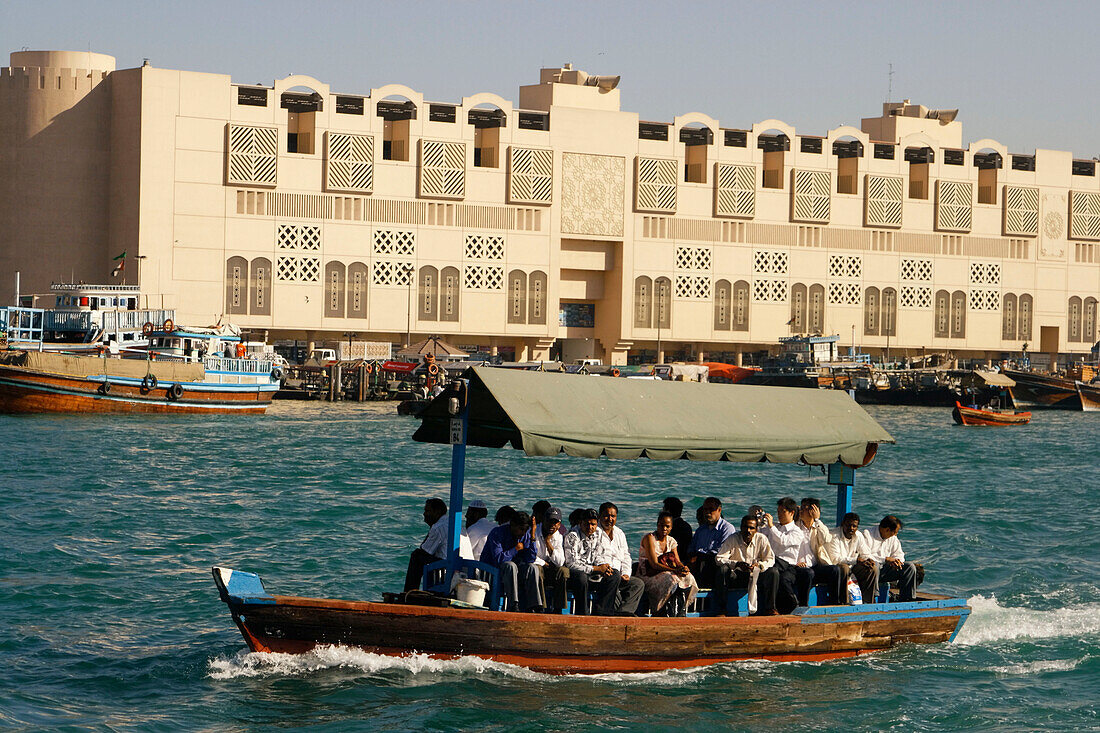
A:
[(810, 196), (769, 291), (483, 277), (735, 190), (253, 154), (916, 296), (884, 201), (1084, 215), (693, 258), (298, 269), (349, 165), (1021, 211), (531, 176), (954, 205), (768, 262), (484, 247), (693, 287), (985, 273), (386, 272), (394, 242), (299, 236), (442, 169), (985, 300), (919, 270), (844, 294), (655, 185), (850, 266)]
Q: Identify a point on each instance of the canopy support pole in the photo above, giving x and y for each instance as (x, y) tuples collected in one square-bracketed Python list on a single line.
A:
[(459, 426), (844, 478)]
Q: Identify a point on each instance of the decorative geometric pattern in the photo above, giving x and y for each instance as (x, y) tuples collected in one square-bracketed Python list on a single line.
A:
[(918, 270), (769, 291), (655, 187), (394, 242), (954, 205), (483, 277), (985, 273), (845, 266), (1084, 215), (484, 247), (810, 196), (298, 269), (592, 192), (253, 155), (385, 272), (693, 258), (774, 263), (884, 201), (1021, 211), (350, 163), (985, 300), (442, 169), (916, 296), (299, 236), (735, 190), (845, 294), (531, 176), (693, 287)]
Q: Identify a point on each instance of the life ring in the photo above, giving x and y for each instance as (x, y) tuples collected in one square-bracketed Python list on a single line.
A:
[(615, 372), (433, 369), (175, 391), (277, 374), (147, 329), (368, 368), (105, 388), (169, 325), (149, 382)]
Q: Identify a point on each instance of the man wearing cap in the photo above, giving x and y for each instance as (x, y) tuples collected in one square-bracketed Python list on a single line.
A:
[(478, 526), (588, 557), (550, 551)]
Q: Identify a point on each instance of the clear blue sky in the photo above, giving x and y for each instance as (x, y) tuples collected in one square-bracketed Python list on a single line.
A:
[(1022, 73)]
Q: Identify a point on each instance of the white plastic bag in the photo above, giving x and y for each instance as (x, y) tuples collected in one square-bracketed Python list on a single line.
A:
[(855, 595)]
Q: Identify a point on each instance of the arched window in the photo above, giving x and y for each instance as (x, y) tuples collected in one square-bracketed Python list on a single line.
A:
[(448, 294), (236, 285), (1023, 331), (740, 306), (517, 296), (817, 309), (943, 314), (536, 298), (722, 314), (643, 302), (357, 290), (1074, 319), (427, 294), (1088, 322), (870, 312), (662, 290), (1008, 317), (888, 317), (958, 315), (260, 293), (797, 321), (334, 289)]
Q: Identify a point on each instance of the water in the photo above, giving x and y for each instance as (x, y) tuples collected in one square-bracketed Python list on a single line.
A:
[(109, 617)]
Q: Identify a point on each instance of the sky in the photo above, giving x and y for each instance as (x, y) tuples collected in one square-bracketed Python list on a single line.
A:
[(1024, 74)]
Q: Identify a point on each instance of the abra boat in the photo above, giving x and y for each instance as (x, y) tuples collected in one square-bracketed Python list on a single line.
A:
[(991, 416), (549, 414), (1090, 395), (1036, 390)]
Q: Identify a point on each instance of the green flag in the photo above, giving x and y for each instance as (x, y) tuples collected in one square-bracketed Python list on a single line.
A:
[(121, 256)]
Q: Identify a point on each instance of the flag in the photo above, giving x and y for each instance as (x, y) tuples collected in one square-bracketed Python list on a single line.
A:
[(118, 268), (121, 256)]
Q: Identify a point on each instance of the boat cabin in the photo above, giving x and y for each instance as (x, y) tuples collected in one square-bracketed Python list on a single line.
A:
[(79, 313)]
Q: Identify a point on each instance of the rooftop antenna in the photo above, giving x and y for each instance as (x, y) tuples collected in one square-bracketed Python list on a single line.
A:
[(890, 83)]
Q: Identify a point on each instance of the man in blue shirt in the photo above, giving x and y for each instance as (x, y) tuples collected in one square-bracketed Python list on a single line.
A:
[(510, 548), (703, 551)]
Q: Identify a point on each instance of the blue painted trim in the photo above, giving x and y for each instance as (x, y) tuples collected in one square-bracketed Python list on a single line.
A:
[(234, 405), (958, 626), (458, 478), (237, 587), (948, 603)]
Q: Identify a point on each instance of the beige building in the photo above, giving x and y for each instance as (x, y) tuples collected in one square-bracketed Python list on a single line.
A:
[(560, 224)]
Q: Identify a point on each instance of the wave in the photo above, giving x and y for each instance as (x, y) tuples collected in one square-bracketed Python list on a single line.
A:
[(991, 622), (1050, 665)]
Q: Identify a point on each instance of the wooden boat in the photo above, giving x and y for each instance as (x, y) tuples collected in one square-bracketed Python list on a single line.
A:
[(1090, 395), (1037, 390), (988, 416), (549, 414)]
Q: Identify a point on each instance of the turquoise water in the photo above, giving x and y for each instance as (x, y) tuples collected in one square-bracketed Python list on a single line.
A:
[(109, 618)]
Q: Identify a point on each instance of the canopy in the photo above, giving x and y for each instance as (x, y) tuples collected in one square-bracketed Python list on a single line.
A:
[(993, 379), (546, 414), (434, 346)]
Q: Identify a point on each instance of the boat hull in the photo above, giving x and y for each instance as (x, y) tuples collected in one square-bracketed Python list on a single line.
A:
[(971, 416), (1090, 396), (1042, 391)]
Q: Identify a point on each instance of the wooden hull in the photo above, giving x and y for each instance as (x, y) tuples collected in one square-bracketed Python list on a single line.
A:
[(1042, 391), (1090, 396), (971, 416)]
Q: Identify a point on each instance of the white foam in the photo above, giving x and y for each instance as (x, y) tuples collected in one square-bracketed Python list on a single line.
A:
[(1047, 665), (990, 622)]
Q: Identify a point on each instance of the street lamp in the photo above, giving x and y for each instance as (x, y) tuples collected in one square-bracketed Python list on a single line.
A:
[(139, 258), (349, 337)]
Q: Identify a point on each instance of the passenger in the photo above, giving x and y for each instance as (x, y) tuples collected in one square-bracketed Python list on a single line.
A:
[(537, 510), (588, 557), (661, 570), (849, 549), (478, 526), (747, 561), (510, 548), (884, 547), (793, 557), (433, 546), (832, 576), (630, 588), (504, 515), (575, 518), (550, 559), (681, 530), (713, 531), (437, 389)]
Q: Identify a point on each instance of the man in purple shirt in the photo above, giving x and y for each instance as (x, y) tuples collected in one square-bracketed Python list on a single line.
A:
[(713, 531), (510, 548)]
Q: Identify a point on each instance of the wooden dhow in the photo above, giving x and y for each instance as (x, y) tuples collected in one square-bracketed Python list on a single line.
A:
[(964, 415)]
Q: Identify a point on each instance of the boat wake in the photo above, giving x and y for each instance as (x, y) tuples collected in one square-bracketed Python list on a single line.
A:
[(991, 622)]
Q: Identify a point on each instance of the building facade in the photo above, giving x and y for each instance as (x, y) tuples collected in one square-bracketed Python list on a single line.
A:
[(562, 225)]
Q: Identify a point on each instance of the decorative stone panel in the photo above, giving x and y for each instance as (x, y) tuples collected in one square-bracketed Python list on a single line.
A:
[(810, 195), (530, 176), (954, 205), (349, 162), (1021, 217), (592, 193), (735, 190), (252, 155), (655, 185), (883, 205), (442, 169)]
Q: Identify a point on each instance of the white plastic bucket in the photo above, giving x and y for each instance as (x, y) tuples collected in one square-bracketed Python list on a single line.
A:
[(472, 591)]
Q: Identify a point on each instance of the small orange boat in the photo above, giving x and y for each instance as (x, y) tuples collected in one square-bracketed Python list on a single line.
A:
[(974, 416)]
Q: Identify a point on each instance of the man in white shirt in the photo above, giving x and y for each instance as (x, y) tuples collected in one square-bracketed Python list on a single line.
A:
[(434, 546), (848, 550), (630, 588), (550, 559), (826, 573), (794, 559), (478, 526), (746, 561), (884, 548), (588, 557)]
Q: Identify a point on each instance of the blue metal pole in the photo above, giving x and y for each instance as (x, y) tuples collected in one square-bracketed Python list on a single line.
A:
[(459, 425), (843, 501)]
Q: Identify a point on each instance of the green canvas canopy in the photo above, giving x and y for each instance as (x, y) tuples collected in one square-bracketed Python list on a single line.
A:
[(546, 414)]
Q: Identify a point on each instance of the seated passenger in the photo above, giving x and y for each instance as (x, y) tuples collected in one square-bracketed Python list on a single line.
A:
[(713, 531), (510, 548), (832, 576), (478, 526), (550, 559), (588, 557), (661, 570), (434, 545), (539, 509), (504, 515), (575, 518), (747, 561), (681, 530), (630, 589), (848, 549), (884, 548), (793, 557)]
